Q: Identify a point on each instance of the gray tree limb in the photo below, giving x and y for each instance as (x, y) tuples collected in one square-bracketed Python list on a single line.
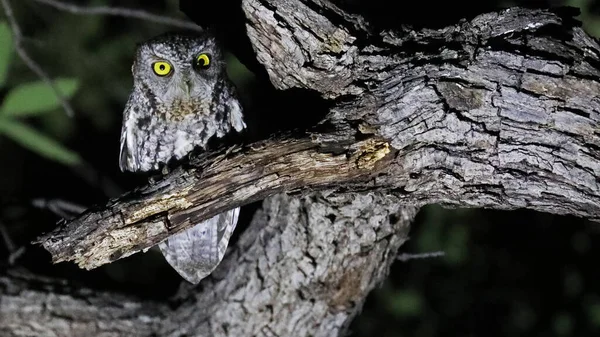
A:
[(502, 116), (303, 267), (31, 305), (500, 111)]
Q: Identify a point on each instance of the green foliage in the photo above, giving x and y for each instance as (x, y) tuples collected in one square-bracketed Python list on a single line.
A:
[(593, 311), (37, 142), (5, 51), (588, 16), (32, 99), (57, 125), (406, 302), (563, 324), (36, 98), (236, 71), (453, 240), (456, 246)]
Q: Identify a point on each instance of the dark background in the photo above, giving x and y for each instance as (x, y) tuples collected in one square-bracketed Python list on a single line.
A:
[(503, 273)]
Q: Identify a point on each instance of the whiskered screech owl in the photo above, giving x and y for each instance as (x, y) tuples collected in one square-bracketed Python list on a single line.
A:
[(181, 98)]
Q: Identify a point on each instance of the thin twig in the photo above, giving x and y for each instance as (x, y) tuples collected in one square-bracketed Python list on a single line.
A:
[(406, 256), (59, 207), (14, 252), (118, 11), (10, 246), (18, 39)]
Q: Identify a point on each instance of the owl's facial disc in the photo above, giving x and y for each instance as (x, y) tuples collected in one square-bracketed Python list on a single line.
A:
[(175, 80), (181, 72)]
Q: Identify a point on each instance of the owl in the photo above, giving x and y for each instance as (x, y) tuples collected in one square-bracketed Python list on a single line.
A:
[(181, 98)]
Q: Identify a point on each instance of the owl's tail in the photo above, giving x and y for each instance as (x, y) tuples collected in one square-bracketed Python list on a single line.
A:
[(196, 252)]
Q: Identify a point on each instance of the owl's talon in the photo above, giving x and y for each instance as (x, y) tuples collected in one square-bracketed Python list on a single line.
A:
[(154, 178)]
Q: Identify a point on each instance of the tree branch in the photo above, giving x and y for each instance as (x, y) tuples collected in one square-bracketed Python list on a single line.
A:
[(500, 111), (146, 217), (499, 120), (122, 12), (308, 259), (37, 306)]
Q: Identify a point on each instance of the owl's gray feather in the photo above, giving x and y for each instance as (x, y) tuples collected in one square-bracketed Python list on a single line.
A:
[(166, 117), (196, 252)]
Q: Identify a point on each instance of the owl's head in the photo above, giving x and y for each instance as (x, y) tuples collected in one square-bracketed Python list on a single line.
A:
[(179, 68)]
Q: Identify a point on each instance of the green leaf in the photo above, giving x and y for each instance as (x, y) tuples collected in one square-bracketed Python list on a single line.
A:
[(406, 302), (6, 48), (594, 314), (37, 142), (36, 97)]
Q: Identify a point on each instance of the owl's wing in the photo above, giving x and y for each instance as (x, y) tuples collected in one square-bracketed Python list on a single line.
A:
[(196, 252), (128, 149)]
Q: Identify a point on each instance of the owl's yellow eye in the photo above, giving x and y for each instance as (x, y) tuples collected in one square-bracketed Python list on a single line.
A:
[(161, 68), (202, 61)]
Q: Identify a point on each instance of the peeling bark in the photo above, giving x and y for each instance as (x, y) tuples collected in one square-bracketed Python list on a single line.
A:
[(303, 267), (501, 112), (148, 216), (479, 116)]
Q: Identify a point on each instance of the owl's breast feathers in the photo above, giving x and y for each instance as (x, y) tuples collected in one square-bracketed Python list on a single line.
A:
[(179, 109), (156, 133)]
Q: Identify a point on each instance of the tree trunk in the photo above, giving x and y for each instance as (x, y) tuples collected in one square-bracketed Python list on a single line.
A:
[(501, 111), (303, 267)]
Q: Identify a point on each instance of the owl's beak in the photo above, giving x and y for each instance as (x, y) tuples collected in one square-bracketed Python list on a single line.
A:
[(187, 88)]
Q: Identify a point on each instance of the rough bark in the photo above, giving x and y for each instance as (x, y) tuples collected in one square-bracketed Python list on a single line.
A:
[(31, 305), (303, 267), (479, 115), (148, 216), (500, 111)]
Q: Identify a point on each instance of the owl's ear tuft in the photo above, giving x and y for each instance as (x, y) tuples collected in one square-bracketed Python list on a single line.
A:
[(138, 47)]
